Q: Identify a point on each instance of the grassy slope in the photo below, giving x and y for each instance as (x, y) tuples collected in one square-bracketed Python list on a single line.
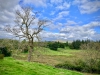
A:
[(9, 66), (60, 51)]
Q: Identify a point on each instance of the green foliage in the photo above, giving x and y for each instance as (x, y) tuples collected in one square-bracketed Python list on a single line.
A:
[(24, 46), (82, 66), (5, 51), (25, 49), (61, 45), (55, 45), (78, 66), (1, 56), (9, 66), (10, 44), (66, 65), (66, 44), (71, 46), (75, 44)]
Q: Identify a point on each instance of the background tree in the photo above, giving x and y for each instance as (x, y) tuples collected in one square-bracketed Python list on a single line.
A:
[(75, 44), (27, 27)]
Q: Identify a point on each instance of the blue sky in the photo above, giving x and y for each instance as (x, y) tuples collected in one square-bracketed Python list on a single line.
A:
[(70, 19)]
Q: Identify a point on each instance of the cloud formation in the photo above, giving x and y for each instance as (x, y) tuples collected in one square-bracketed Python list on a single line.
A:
[(81, 32), (87, 6), (65, 15), (64, 6), (7, 14), (56, 1), (37, 3), (7, 10)]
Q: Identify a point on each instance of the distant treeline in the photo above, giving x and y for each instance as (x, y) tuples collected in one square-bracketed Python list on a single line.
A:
[(77, 44), (11, 45)]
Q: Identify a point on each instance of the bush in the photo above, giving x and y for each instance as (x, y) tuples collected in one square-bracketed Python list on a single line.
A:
[(98, 67), (5, 51), (61, 45), (75, 44), (66, 65), (80, 65), (52, 46), (91, 46), (71, 46), (25, 49), (55, 45), (1, 56)]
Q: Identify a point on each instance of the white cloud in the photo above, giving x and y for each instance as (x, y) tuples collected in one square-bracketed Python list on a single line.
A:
[(8, 4), (86, 6), (61, 15), (92, 25), (56, 1), (52, 36), (36, 2), (60, 5), (56, 26), (75, 32), (4, 34), (70, 22), (64, 6), (71, 31), (52, 13), (64, 13), (81, 32), (7, 14)]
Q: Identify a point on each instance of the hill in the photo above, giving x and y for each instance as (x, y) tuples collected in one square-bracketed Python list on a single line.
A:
[(10, 66)]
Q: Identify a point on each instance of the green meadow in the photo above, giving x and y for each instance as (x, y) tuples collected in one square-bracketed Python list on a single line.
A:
[(10, 66), (42, 63)]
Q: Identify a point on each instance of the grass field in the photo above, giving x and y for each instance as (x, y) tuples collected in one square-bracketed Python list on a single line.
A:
[(10, 66), (48, 59)]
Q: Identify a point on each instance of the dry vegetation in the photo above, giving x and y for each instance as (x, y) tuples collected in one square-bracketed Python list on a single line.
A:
[(54, 57)]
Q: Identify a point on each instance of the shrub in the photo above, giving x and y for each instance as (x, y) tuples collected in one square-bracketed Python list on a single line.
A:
[(61, 45), (1, 56), (71, 46), (25, 49), (65, 65), (52, 46), (98, 67), (5, 51), (75, 44), (55, 45), (91, 46), (80, 65)]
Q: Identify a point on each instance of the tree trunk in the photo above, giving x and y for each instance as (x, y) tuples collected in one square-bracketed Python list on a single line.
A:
[(29, 55), (30, 51)]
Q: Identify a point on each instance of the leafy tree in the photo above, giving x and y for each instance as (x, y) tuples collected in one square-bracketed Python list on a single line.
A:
[(66, 44), (61, 45), (53, 46), (75, 44)]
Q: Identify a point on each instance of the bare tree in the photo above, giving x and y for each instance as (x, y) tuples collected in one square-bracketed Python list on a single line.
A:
[(27, 27)]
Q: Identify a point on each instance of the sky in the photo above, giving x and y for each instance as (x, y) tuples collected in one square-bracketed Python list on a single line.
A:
[(70, 19)]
